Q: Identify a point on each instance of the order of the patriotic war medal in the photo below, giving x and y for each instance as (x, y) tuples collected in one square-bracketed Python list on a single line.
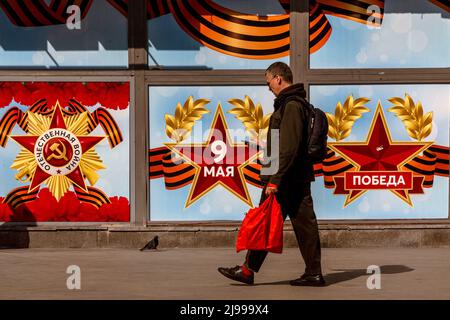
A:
[(58, 152)]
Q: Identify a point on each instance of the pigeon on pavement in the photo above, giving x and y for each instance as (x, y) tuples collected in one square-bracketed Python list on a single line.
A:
[(152, 244)]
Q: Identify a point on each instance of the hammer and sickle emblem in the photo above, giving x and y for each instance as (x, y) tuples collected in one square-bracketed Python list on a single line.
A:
[(60, 154)]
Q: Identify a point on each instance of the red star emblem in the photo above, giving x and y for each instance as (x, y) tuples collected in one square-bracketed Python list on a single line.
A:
[(379, 153), (52, 144), (219, 161)]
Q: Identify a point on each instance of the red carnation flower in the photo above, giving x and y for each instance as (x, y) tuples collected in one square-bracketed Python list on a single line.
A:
[(6, 94), (118, 210), (21, 93), (5, 211), (117, 96)]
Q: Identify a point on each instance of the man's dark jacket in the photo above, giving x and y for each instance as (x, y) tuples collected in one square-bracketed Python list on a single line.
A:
[(289, 117)]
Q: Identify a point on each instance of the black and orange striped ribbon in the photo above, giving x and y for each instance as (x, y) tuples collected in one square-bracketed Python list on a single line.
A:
[(180, 174), (232, 32), (155, 8), (99, 116), (434, 161), (35, 13), (103, 117), (176, 175), (265, 37), (248, 35), (444, 4), (19, 196), (16, 116), (442, 160), (251, 174), (93, 196), (217, 27), (319, 27), (7, 123), (39, 106), (332, 166), (155, 157), (355, 10), (74, 107)]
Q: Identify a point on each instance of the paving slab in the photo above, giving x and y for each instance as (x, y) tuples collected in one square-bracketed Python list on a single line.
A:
[(191, 273)]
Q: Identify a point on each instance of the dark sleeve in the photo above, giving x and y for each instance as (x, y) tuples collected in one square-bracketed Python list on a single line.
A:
[(291, 137)]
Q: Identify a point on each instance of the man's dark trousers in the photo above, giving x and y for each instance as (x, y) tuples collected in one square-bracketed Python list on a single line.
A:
[(296, 202)]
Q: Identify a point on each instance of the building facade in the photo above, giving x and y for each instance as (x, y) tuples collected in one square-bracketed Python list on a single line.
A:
[(143, 113)]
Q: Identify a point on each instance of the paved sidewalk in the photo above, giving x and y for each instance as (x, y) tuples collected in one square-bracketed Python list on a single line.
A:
[(192, 274)]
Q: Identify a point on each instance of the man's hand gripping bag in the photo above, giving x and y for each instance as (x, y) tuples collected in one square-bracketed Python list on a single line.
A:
[(262, 228)]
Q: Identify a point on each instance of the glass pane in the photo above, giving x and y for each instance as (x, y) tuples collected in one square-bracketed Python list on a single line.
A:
[(220, 192), (379, 34), (220, 34), (389, 152), (40, 34), (64, 150)]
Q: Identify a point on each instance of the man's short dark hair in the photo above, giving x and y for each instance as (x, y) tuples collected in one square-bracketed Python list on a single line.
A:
[(281, 69)]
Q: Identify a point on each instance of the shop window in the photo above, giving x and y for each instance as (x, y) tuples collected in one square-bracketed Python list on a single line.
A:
[(196, 188), (388, 152), (64, 150)]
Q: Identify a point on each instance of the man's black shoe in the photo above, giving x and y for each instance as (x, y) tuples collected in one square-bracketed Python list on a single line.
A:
[(309, 280), (237, 274)]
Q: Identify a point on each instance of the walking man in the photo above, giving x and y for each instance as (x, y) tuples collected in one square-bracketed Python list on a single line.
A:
[(291, 184)]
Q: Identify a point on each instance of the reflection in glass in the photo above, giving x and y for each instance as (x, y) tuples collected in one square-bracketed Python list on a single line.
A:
[(380, 34), (35, 34), (218, 34)]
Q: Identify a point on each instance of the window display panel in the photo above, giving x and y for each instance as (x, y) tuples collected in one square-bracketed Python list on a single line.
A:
[(388, 152), (208, 129), (64, 150)]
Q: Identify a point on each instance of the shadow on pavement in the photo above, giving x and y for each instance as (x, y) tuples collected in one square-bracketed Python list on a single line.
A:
[(343, 275), (350, 274)]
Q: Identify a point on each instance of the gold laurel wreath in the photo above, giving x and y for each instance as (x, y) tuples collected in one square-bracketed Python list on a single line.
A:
[(417, 124), (340, 124), (179, 127), (253, 118)]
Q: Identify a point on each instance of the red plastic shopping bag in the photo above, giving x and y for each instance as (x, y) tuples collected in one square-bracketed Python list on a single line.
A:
[(262, 228)]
